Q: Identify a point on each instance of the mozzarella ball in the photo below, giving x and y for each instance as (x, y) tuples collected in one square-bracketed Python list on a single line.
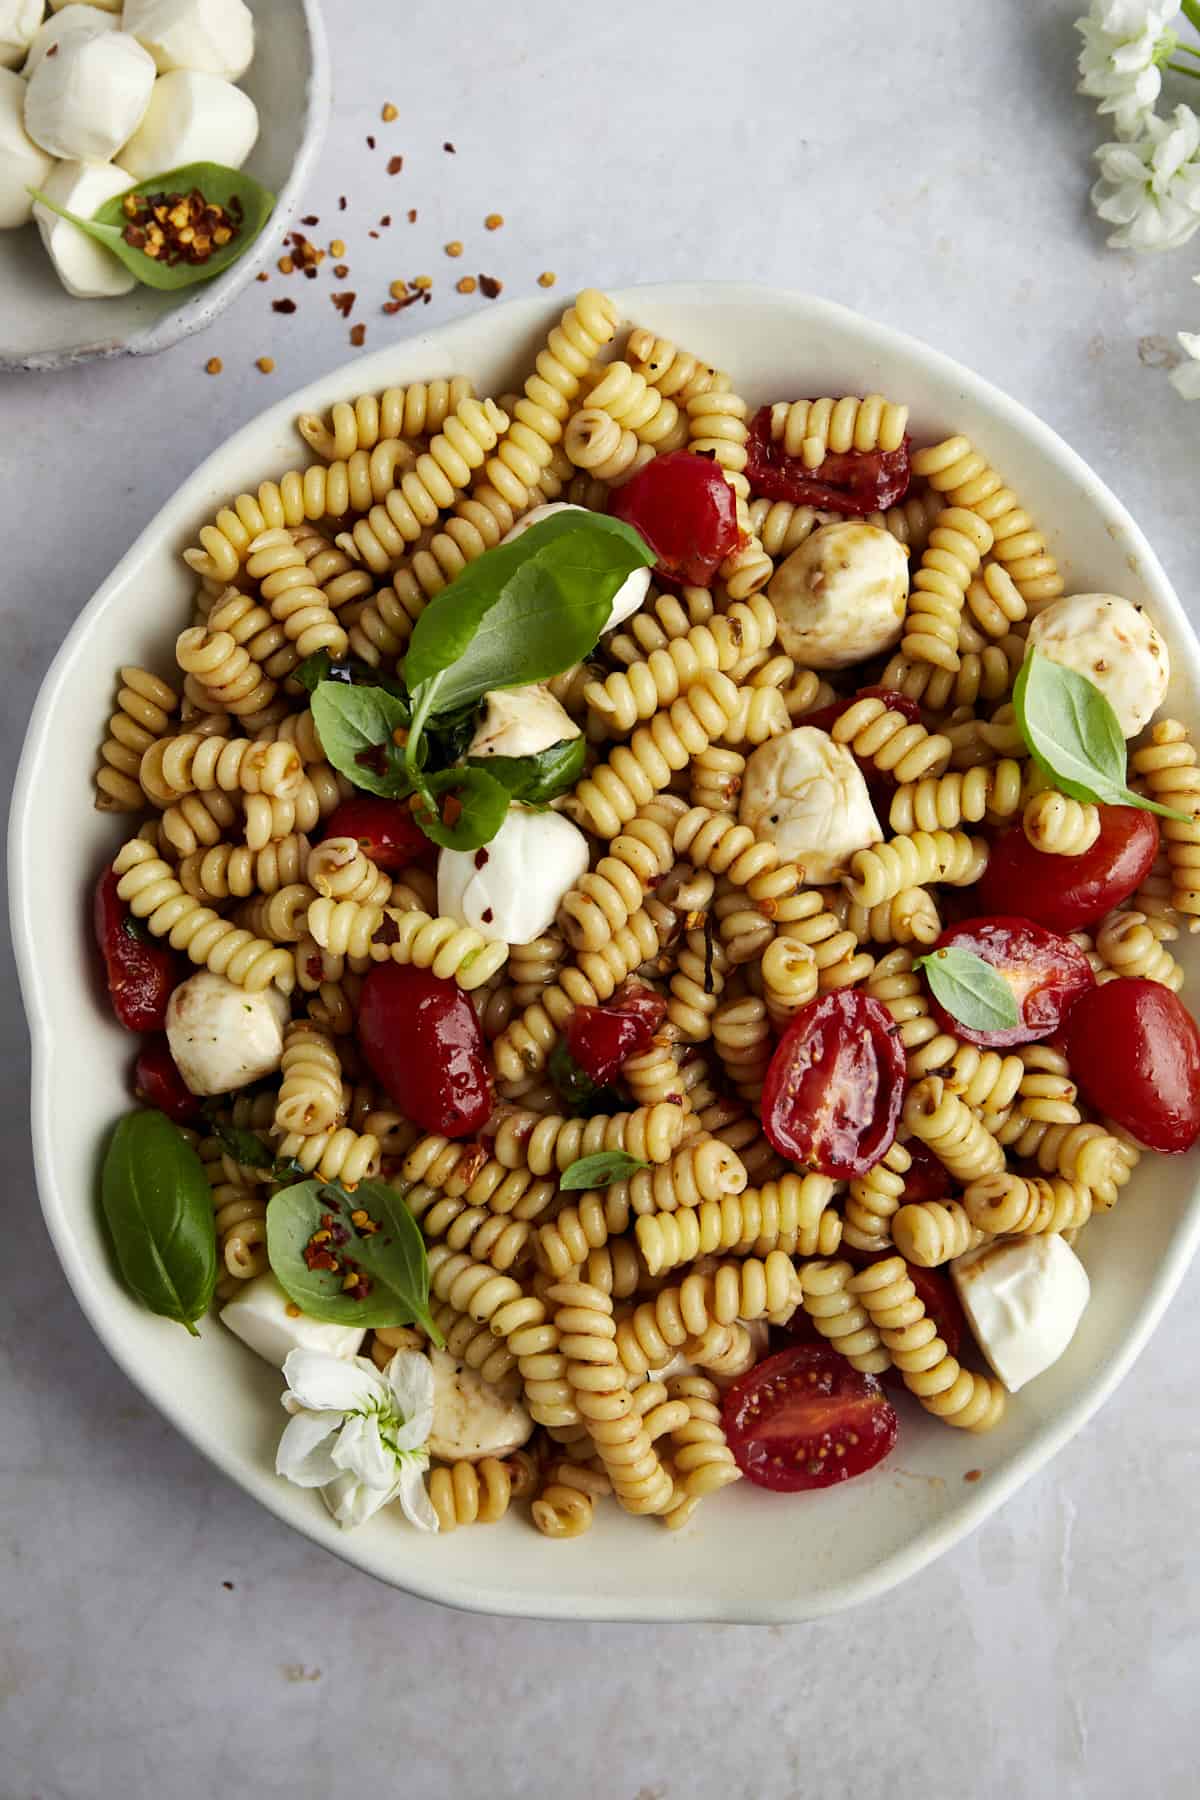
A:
[(841, 596), (222, 1037), (1113, 643), (22, 164), (215, 36), (192, 118), (87, 100), (19, 21), (511, 889), (58, 26), (521, 721), (259, 1314), (628, 597), (1023, 1298), (473, 1418), (85, 268), (806, 794)]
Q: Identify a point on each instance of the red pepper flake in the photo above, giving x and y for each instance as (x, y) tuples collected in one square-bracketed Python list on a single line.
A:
[(311, 272), (449, 149), (358, 336), (398, 305), (973, 1475), (451, 811), (487, 915), (386, 220), (341, 270), (481, 859), (412, 215), (315, 967), (344, 302), (310, 219), (283, 306), (388, 932), (341, 202), (224, 1584), (490, 287), (395, 164), (374, 234), (53, 50), (262, 276), (370, 142)]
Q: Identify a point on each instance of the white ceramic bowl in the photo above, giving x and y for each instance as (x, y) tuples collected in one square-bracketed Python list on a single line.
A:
[(43, 327), (748, 1555)]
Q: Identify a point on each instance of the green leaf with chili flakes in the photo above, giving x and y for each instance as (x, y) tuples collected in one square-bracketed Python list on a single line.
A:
[(473, 807), (970, 989), (600, 1170), (217, 184), (157, 1206), (359, 728), (387, 1249)]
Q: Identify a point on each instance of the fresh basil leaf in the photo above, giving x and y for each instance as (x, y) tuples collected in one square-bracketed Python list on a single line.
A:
[(219, 185), (358, 727), (1074, 735), (449, 735), (158, 1208), (600, 1170), (970, 989), (391, 1258), (477, 808), (320, 666), (539, 778), (579, 1093), (245, 1147), (522, 612)]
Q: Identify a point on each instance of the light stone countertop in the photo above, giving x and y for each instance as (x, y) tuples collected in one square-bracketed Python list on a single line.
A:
[(159, 1634)]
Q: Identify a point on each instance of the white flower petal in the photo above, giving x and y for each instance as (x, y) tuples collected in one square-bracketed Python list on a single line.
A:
[(1186, 379), (410, 1378), (305, 1449), (362, 1452), (352, 1502), (414, 1501), (325, 1383)]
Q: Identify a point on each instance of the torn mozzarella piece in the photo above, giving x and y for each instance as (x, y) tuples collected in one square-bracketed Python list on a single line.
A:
[(511, 889), (1114, 644), (192, 118), (58, 26), (22, 164), (90, 97), (521, 721), (19, 21), (261, 1314), (222, 1037), (841, 596), (473, 1418), (215, 36), (1023, 1298), (806, 795), (628, 597), (85, 268)]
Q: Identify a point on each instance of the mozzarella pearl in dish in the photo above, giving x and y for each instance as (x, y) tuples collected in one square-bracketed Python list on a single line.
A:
[(521, 721), (72, 19), (216, 36), (90, 98), (628, 597), (1024, 1298), (1114, 644), (19, 21), (85, 268), (840, 597), (192, 118), (222, 1037), (807, 796), (261, 1314), (473, 1418), (22, 164), (511, 889)]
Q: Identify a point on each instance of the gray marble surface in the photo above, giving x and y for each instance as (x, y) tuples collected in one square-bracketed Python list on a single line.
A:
[(159, 1635)]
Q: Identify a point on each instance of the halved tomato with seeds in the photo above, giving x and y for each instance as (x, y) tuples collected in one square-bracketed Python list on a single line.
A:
[(805, 1419)]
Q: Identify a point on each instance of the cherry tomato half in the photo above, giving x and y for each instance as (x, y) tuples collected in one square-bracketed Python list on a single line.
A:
[(835, 1084), (853, 481), (157, 1082), (1046, 972), (1134, 1049), (1068, 893), (805, 1419), (601, 1038), (685, 509), (384, 829), (140, 974), (426, 1049), (927, 1179)]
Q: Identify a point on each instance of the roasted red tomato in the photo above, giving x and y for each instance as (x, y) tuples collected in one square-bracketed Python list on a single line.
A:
[(805, 1419), (1068, 893), (1046, 972), (835, 1085), (928, 1179), (1134, 1049), (140, 972), (157, 1082), (384, 829), (601, 1038), (426, 1049), (685, 509), (856, 481)]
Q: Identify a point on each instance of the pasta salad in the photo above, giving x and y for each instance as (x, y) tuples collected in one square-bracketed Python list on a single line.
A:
[(649, 928)]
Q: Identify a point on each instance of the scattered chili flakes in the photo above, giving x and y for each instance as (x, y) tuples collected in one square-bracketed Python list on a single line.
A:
[(370, 142), (213, 366), (494, 221), (336, 247), (283, 306), (454, 247), (412, 215), (449, 149), (179, 228), (344, 302), (373, 234), (266, 364), (285, 265), (262, 275), (973, 1475), (341, 270), (310, 219), (386, 220), (389, 112), (341, 202), (358, 336), (224, 1584), (421, 282), (467, 284), (547, 278), (292, 1310), (490, 287), (398, 289), (395, 164), (452, 808)]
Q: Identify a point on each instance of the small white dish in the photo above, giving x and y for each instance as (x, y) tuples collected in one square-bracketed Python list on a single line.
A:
[(42, 327), (749, 1555)]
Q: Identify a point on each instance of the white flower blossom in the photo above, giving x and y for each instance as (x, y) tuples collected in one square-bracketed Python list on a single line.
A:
[(359, 1435), (1151, 189), (1125, 42)]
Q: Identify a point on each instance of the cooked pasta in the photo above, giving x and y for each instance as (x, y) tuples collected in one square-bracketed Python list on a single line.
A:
[(152, 893), (144, 708), (841, 1318), (1006, 1204), (957, 1138), (891, 742), (1167, 765), (930, 1232), (398, 513), (811, 429), (874, 1199), (940, 1383), (957, 470), (1126, 945), (957, 544), (918, 861), (1060, 826)]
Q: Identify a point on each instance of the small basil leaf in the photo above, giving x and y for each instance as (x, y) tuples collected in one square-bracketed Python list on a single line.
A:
[(218, 185), (320, 666), (137, 929), (245, 1147), (1074, 735), (476, 808), (970, 989), (539, 778), (580, 1095), (600, 1170), (522, 612), (358, 728), (158, 1208), (391, 1257)]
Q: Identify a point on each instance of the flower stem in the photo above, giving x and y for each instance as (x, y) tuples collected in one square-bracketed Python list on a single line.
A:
[(1187, 50), (1183, 69), (1191, 12)]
